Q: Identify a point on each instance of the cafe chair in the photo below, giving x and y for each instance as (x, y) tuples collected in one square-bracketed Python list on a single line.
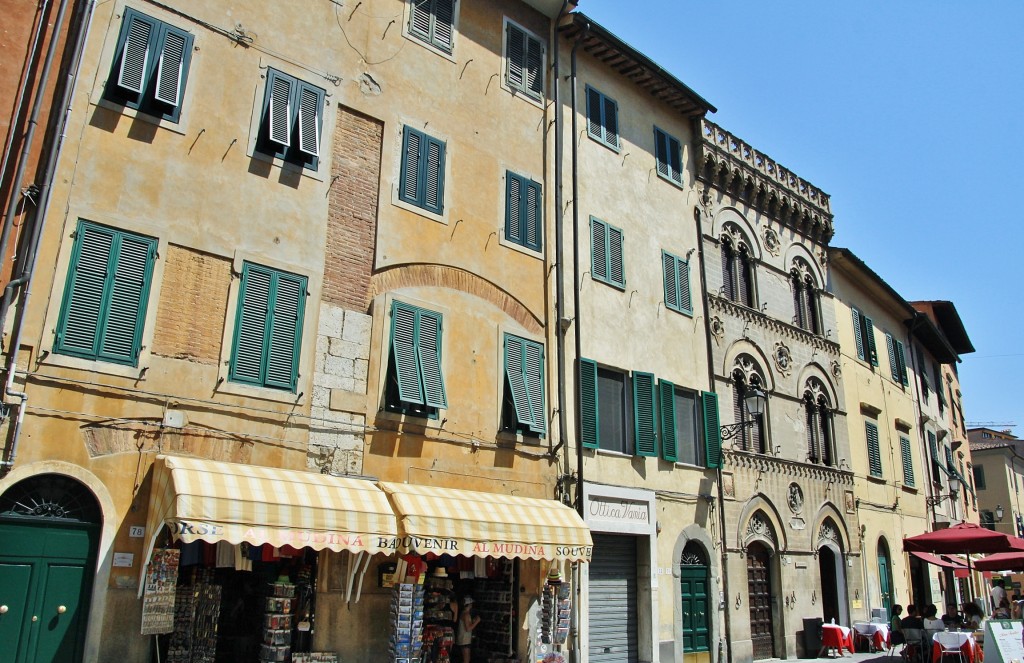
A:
[(860, 638), (913, 648), (949, 645)]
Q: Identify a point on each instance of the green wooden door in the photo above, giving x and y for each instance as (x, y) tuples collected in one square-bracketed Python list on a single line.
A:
[(885, 578), (46, 571), (693, 581)]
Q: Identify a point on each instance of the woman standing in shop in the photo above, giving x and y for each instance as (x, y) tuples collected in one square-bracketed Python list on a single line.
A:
[(464, 634)]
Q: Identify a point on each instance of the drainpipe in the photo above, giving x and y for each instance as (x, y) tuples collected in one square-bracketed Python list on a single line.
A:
[(38, 216), (576, 271), (711, 387), (563, 426)]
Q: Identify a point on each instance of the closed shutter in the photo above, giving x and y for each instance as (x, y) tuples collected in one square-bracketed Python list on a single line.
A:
[(599, 249), (433, 176), (901, 361), (429, 349), (513, 208), (135, 55), (675, 160), (522, 211), (685, 298), (409, 185), (858, 335), (251, 325), (616, 271), (533, 367), (285, 340), (611, 122), (869, 333), (170, 65), (532, 215), (728, 274), (890, 346), (128, 293), (661, 152), (743, 278), (594, 110), (78, 330), (420, 18), (874, 453), (589, 435), (403, 348), (668, 262), (613, 606), (667, 398), (712, 430), (908, 461), (812, 428), (798, 304), (534, 68), (516, 376), (444, 24), (644, 414), (516, 54)]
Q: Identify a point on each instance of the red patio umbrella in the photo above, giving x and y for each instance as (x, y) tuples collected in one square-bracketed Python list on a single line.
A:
[(1008, 561), (966, 538)]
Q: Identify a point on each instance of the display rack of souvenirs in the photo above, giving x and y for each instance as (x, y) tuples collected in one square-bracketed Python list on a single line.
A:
[(495, 595), (406, 617), (196, 612), (438, 618), (277, 622), (555, 605)]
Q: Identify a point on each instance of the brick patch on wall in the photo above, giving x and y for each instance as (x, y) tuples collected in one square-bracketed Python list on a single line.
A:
[(193, 305)]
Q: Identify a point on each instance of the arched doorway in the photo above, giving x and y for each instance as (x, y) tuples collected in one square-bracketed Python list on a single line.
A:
[(832, 573), (49, 532), (694, 581), (759, 592), (885, 577)]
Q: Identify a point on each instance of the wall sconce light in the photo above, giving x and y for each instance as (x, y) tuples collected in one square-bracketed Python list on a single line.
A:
[(754, 400), (999, 513), (739, 600), (814, 596)]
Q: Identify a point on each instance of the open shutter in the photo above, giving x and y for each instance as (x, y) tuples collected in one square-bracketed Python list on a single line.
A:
[(514, 41), (251, 325), (531, 214), (685, 298), (667, 398), (858, 335), (84, 293), (908, 461), (433, 176), (516, 376), (589, 432), (661, 151), (644, 414), (594, 123), (901, 363), (890, 346), (444, 24), (599, 249), (513, 208), (611, 122), (169, 67), (419, 18), (429, 352), (534, 67), (309, 121), (283, 348), (533, 368), (668, 264), (280, 121), (874, 453), (675, 158), (616, 272), (933, 449), (409, 186), (135, 55), (869, 345), (126, 303), (403, 347), (712, 430)]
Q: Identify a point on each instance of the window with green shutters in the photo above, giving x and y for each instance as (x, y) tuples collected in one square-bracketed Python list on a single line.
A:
[(908, 461), (681, 420), (590, 433), (292, 119), (523, 211), (433, 23), (677, 283), (644, 414), (864, 334), (933, 448), (669, 156), (922, 374), (150, 66), (103, 309), (606, 254), (524, 61), (268, 328), (606, 409), (422, 178), (415, 381), (602, 119), (524, 385), (897, 360), (874, 451)]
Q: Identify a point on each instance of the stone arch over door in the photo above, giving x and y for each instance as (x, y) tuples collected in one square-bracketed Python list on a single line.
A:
[(749, 529), (761, 537), (695, 536)]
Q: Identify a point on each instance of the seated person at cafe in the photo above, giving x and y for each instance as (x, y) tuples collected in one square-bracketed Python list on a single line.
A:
[(972, 615), (896, 628), (931, 619), (912, 620), (1002, 611), (952, 619)]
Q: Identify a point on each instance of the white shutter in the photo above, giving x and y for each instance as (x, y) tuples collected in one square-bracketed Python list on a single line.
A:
[(168, 75), (135, 55), (280, 110), (309, 123)]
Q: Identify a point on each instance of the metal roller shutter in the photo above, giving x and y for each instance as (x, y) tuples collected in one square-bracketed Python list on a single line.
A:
[(613, 604)]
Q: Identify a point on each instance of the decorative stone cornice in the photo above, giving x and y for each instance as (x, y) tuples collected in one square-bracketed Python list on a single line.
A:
[(783, 467), (732, 166), (769, 323)]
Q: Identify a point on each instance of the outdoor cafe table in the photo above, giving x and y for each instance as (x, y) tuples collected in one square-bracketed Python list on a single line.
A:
[(878, 634), (967, 644), (836, 637)]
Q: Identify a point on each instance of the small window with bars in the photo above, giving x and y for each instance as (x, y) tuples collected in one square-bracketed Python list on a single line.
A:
[(291, 121)]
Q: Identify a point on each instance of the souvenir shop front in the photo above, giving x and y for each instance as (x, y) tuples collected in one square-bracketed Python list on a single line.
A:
[(237, 559)]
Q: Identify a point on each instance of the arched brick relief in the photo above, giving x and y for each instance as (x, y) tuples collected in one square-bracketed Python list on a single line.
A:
[(816, 370), (828, 512), (798, 250), (731, 215), (760, 508), (442, 276), (745, 347)]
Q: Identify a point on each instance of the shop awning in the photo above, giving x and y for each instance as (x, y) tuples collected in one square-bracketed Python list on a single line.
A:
[(463, 522), (204, 500), (947, 561)]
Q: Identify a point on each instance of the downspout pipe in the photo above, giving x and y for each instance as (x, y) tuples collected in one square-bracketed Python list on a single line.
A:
[(563, 425), (711, 387), (38, 216), (577, 338)]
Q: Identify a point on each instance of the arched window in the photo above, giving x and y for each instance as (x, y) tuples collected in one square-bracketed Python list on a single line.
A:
[(819, 420), (806, 299), (750, 438), (737, 272)]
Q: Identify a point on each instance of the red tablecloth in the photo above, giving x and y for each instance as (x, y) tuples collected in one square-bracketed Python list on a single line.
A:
[(970, 650), (837, 637)]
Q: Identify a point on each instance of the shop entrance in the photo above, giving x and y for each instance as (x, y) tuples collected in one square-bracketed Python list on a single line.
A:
[(49, 533), (613, 600), (759, 586)]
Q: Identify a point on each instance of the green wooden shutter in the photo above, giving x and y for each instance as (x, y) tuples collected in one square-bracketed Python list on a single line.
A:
[(125, 310), (280, 118), (874, 453), (251, 325), (668, 263), (444, 24), (170, 66), (532, 215), (685, 297), (533, 368), (599, 249), (590, 435), (308, 106), (594, 110), (135, 54), (933, 448), (534, 68), (901, 363), (616, 269), (661, 152), (409, 182), (404, 351), (712, 431), (675, 156), (644, 419), (858, 335), (610, 122), (908, 461), (433, 175), (429, 354), (869, 332), (940, 390), (84, 294), (669, 444), (515, 75), (513, 208), (285, 338), (516, 376), (890, 346), (420, 19)]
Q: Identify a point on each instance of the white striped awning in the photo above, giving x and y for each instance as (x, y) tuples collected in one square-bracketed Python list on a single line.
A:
[(204, 500), (463, 522)]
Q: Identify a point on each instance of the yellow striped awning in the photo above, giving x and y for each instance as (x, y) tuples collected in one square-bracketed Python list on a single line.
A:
[(204, 500), (463, 522)]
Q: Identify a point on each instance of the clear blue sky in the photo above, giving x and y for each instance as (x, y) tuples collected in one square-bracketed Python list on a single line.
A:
[(907, 113)]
